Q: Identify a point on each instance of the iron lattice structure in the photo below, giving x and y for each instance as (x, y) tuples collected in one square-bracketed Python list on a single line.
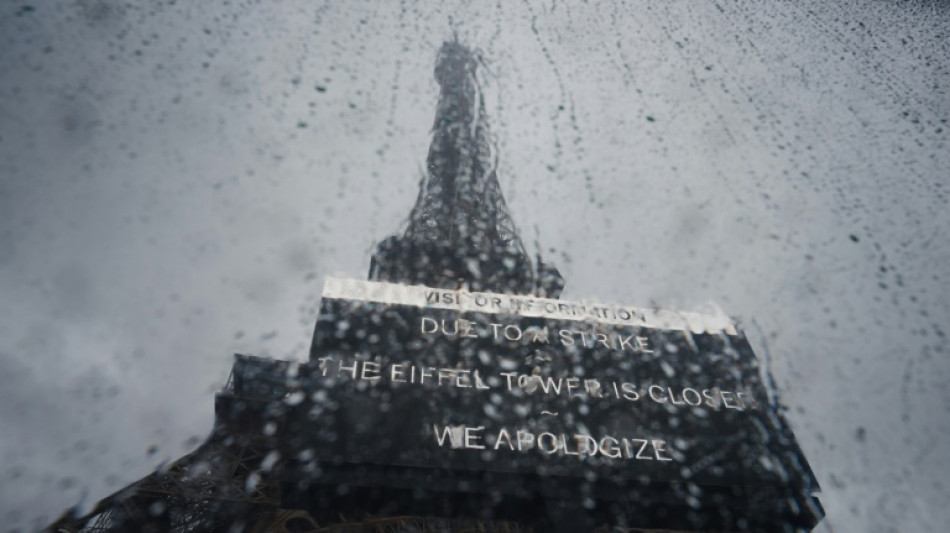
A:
[(459, 233)]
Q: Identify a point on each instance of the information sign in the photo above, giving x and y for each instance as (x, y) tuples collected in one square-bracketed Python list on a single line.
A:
[(431, 378)]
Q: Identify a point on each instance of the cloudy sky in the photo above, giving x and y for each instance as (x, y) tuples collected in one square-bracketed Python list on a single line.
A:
[(177, 178)]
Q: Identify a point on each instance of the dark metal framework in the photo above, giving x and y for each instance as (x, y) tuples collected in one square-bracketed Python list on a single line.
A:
[(460, 232)]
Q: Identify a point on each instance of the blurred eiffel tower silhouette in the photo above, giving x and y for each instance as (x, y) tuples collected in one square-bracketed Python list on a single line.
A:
[(460, 231), (258, 472), (459, 234)]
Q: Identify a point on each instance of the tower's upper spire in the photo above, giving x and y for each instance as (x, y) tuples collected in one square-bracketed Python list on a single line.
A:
[(460, 232)]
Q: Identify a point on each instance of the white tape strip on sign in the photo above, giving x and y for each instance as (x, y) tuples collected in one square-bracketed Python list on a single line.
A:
[(528, 306)]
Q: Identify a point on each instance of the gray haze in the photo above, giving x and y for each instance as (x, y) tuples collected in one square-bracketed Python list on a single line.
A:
[(177, 178)]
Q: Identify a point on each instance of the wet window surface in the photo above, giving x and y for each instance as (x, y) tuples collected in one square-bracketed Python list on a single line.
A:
[(179, 181)]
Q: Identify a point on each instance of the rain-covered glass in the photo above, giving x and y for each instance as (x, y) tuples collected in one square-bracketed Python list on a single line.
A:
[(538, 265)]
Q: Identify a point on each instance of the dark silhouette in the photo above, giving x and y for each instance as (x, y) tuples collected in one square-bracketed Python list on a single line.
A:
[(460, 232), (286, 456)]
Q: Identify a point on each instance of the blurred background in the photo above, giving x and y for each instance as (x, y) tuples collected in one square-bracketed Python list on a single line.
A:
[(177, 179)]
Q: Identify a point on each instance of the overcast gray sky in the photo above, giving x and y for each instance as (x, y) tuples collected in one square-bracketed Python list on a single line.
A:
[(177, 178)]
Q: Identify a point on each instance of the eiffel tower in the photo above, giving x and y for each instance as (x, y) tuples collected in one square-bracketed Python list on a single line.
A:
[(459, 234), (460, 231), (281, 456)]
